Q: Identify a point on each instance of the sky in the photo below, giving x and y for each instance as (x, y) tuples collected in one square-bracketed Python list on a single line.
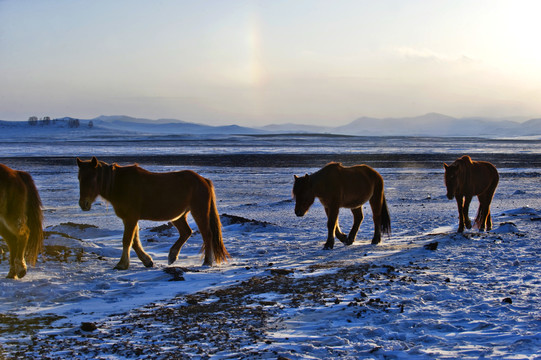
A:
[(278, 61)]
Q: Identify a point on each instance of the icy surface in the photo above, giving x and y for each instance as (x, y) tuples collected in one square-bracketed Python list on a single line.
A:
[(476, 295)]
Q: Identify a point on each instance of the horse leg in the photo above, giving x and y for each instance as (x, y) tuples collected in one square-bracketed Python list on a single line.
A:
[(16, 238), (12, 245), (338, 232), (332, 219), (488, 218), (484, 217), (185, 232), (357, 220), (489, 197), (466, 211), (480, 218), (22, 240), (459, 203), (11, 241), (376, 204), (127, 241), (141, 253)]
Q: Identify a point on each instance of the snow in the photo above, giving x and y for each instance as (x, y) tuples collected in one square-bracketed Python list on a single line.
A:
[(476, 295)]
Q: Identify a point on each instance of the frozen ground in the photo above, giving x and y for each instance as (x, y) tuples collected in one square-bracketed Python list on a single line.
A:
[(476, 295)]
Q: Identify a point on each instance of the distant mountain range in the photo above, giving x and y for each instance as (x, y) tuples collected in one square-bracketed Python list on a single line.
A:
[(432, 124), (168, 126)]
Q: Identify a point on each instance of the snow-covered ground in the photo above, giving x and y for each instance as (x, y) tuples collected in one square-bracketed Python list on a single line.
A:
[(476, 295)]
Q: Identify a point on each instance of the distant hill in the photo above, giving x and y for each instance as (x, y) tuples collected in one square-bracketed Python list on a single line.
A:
[(431, 124), (168, 126), (129, 119), (434, 124)]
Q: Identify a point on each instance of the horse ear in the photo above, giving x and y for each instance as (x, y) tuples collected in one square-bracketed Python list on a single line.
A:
[(445, 166), (295, 177), (94, 161), (79, 162)]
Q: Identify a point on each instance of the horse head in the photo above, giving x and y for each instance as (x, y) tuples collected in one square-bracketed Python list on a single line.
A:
[(451, 179), (88, 182), (455, 174), (303, 193)]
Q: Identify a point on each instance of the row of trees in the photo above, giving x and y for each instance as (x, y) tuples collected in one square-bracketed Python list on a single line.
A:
[(46, 120)]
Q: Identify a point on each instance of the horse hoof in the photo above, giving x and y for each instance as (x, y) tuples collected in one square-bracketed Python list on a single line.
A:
[(376, 241), (21, 273), (120, 267), (171, 259), (328, 247), (149, 264)]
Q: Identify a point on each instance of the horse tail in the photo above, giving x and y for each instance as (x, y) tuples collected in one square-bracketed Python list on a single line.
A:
[(218, 248), (385, 218), (34, 218)]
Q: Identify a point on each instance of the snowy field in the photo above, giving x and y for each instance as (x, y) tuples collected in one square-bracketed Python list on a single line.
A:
[(426, 292)]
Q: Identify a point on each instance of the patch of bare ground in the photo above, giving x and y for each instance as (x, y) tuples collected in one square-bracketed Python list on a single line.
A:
[(234, 321), (59, 253)]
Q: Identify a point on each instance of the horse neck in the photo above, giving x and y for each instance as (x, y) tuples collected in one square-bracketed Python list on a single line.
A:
[(315, 179), (106, 180)]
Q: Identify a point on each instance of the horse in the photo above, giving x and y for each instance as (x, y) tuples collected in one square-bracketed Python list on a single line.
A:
[(137, 194), (21, 219), (338, 187), (464, 179)]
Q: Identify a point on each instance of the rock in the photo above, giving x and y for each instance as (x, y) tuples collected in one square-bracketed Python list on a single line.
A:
[(507, 300), (88, 326), (281, 271), (176, 272), (432, 246)]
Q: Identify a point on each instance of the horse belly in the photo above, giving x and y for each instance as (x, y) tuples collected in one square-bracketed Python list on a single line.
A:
[(166, 209), (354, 202), (355, 196)]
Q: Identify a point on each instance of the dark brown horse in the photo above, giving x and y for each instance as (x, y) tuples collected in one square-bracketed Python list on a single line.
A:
[(464, 179), (20, 219), (338, 187), (137, 194)]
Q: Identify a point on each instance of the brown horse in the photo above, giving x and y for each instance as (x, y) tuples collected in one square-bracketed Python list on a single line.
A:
[(20, 219), (337, 186), (137, 194), (464, 179)]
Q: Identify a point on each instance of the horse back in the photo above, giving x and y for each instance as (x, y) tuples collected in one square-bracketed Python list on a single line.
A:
[(349, 186), (484, 176), (156, 196)]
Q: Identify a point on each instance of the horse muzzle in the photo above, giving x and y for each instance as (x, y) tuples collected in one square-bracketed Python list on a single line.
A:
[(299, 213), (85, 205), (450, 196)]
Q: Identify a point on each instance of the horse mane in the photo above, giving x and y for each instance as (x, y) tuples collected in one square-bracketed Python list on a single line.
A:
[(466, 159), (334, 164), (106, 178)]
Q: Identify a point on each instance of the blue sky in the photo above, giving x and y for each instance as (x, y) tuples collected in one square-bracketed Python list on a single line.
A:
[(261, 62)]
